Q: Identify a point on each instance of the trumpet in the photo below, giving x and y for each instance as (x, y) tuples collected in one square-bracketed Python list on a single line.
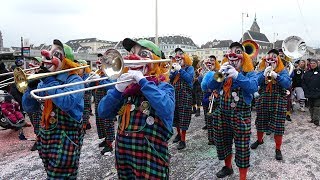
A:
[(220, 76), (112, 65), (269, 77)]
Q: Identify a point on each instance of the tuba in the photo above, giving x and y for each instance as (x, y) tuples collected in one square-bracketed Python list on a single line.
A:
[(294, 47), (251, 48)]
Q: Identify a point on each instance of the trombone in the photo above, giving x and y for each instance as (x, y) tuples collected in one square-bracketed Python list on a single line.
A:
[(4, 83), (112, 65)]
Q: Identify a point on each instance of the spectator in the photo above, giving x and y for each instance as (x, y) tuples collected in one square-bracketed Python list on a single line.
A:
[(297, 84)]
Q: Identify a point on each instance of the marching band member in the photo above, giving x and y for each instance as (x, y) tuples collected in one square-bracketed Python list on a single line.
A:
[(146, 107), (105, 128), (61, 134), (196, 90), (232, 117), (181, 78), (272, 103), (35, 117), (84, 74), (209, 96)]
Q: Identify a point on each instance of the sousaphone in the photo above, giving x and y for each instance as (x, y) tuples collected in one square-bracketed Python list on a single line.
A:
[(294, 47)]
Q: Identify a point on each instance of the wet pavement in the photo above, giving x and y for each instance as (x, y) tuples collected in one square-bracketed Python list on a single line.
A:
[(300, 149)]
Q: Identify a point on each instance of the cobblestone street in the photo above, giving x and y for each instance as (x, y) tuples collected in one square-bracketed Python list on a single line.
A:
[(301, 151)]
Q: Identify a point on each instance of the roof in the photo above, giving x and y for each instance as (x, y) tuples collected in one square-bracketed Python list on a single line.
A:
[(256, 36), (213, 44), (88, 40), (278, 44), (166, 40)]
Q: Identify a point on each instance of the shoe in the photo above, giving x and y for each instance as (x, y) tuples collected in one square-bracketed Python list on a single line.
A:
[(88, 126), (224, 172), (211, 143), (177, 138), (205, 127), (106, 149), (103, 143), (181, 145), (268, 133), (194, 110), (302, 109), (288, 118), (256, 144), (27, 125), (34, 147), (198, 112), (316, 123), (22, 137), (278, 155), (312, 121)]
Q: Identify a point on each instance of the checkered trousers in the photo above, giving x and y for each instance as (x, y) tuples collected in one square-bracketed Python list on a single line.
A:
[(59, 146), (35, 118), (142, 149), (105, 128), (183, 109), (87, 107), (271, 110), (196, 94), (233, 125), (209, 123)]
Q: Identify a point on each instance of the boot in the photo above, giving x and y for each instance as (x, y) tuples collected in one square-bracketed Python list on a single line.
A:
[(256, 144), (34, 147), (224, 172), (278, 155), (103, 143), (88, 126), (194, 109), (177, 138), (288, 118), (316, 123), (106, 149), (205, 127), (181, 145), (198, 112)]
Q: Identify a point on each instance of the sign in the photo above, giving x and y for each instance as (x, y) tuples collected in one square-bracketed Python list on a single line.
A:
[(26, 43)]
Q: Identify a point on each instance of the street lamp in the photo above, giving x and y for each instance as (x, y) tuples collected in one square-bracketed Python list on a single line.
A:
[(156, 38), (242, 24)]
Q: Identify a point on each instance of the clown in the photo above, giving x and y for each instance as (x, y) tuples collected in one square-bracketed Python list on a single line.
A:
[(272, 103), (232, 116), (105, 128), (181, 78), (84, 74), (146, 107), (61, 133), (209, 96)]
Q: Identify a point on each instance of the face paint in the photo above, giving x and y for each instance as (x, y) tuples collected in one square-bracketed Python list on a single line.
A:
[(137, 52), (235, 57), (271, 60), (179, 58), (211, 63)]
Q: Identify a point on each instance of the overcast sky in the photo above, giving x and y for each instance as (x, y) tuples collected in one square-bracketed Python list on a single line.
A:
[(203, 20)]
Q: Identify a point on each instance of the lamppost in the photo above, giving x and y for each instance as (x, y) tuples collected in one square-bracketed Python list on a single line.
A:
[(242, 24), (156, 38)]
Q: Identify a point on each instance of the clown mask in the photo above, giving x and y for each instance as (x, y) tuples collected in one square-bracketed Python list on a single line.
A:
[(138, 52), (235, 56), (179, 58), (210, 63), (272, 60), (52, 59)]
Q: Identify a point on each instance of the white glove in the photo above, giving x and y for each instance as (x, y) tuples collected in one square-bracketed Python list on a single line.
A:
[(256, 95), (224, 67), (122, 86), (136, 75), (232, 72), (267, 70), (274, 75), (176, 67), (94, 77)]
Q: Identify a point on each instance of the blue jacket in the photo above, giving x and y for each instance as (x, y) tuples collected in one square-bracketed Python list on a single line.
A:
[(72, 104), (283, 79), (187, 74), (161, 98), (247, 82)]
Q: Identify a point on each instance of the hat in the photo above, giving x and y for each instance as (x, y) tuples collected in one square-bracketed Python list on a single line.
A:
[(99, 55), (67, 50), (212, 56), (280, 50), (236, 44), (163, 56), (81, 62), (274, 51), (19, 62), (129, 43), (178, 49), (39, 59)]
